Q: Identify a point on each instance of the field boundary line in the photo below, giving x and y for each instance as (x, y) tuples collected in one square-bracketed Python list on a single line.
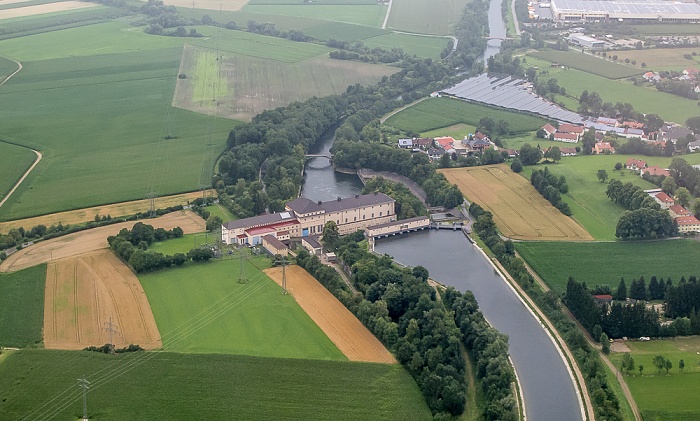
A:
[(19, 67), (39, 156), (388, 116)]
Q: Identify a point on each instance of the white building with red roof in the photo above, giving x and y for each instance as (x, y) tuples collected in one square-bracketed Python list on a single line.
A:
[(655, 170), (664, 200), (566, 137), (688, 224), (549, 129), (635, 164), (678, 210), (601, 148), (445, 142)]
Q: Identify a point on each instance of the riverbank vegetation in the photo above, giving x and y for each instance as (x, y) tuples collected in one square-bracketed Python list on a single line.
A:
[(407, 205)]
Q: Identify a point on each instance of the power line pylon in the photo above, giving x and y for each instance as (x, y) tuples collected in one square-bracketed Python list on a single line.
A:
[(85, 385), (281, 261), (110, 328), (152, 203)]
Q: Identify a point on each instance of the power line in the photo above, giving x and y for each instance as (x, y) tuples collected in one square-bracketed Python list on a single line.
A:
[(110, 328), (85, 385)]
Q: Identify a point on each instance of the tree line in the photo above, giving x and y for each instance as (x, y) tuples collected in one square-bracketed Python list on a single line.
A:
[(407, 205), (551, 188), (645, 219)]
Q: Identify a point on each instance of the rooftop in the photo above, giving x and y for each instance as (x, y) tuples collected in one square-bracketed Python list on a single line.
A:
[(303, 205), (687, 220), (274, 242), (401, 222), (259, 220)]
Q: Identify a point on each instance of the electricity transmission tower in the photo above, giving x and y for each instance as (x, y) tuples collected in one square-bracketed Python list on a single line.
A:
[(283, 262), (110, 328), (241, 279), (85, 385), (152, 203)]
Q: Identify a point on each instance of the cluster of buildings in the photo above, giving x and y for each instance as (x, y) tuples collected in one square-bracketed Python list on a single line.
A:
[(439, 146), (634, 164), (684, 219), (572, 133)]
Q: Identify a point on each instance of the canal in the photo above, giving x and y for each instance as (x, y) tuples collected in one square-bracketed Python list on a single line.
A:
[(547, 387)]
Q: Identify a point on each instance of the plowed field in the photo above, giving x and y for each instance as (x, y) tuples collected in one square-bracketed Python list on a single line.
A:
[(337, 322), (94, 239), (85, 293), (519, 211)]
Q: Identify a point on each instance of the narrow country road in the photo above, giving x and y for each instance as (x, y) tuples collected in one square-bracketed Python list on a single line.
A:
[(515, 18), (38, 158), (398, 110), (386, 17), (19, 67)]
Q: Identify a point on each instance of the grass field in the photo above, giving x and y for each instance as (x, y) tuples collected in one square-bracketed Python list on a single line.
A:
[(412, 44), (517, 142), (605, 262), (663, 29), (218, 210), (7, 67), (180, 245), (519, 211), (14, 161), (245, 86), (588, 63), (22, 307), (188, 387), (661, 58), (360, 14), (457, 131), (435, 113), (663, 397), (434, 17), (586, 197), (646, 100), (225, 316)]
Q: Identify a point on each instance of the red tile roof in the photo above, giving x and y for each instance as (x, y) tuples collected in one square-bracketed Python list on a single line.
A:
[(635, 162), (663, 197), (570, 128), (559, 135), (444, 141), (549, 128), (679, 210), (687, 220), (654, 170)]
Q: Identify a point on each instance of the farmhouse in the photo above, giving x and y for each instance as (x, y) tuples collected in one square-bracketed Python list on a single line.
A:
[(566, 137), (603, 148), (678, 210), (674, 133), (664, 200), (635, 164), (688, 224), (444, 142), (607, 121), (304, 217), (655, 170), (571, 128), (549, 129), (568, 152)]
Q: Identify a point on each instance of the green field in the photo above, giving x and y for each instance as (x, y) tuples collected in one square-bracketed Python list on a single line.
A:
[(588, 63), (435, 113), (6, 68), (586, 197), (342, 31), (14, 161), (207, 80), (168, 386), (360, 14), (457, 131), (663, 397), (436, 17), (605, 262), (645, 100), (517, 142), (430, 47), (179, 245), (220, 211), (663, 29), (252, 318), (22, 307)]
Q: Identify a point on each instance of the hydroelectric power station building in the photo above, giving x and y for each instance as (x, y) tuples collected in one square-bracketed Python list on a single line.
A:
[(303, 217), (625, 10)]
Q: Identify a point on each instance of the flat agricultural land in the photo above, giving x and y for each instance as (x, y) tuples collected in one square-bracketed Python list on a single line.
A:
[(519, 211), (369, 14), (228, 5), (42, 9), (435, 113), (239, 86), (436, 17), (456, 131), (7, 67), (336, 321), (589, 63), (22, 307), (86, 292), (14, 161), (214, 387), (80, 216), (604, 263), (430, 47), (665, 397), (663, 29), (661, 58), (202, 308), (93, 239)]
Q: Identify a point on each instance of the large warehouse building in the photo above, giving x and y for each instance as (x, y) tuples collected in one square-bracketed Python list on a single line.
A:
[(621, 10)]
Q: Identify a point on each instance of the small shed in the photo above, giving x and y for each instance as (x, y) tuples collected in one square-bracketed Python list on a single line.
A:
[(331, 257), (312, 245)]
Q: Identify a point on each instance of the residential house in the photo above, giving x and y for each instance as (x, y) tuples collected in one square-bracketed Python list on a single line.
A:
[(674, 133), (635, 164), (478, 144), (435, 153), (406, 143), (652, 77), (678, 211), (571, 128), (688, 224), (632, 125), (549, 129), (654, 170), (694, 146), (566, 137), (444, 142), (512, 153), (601, 148), (664, 200), (603, 300), (568, 151), (422, 143)]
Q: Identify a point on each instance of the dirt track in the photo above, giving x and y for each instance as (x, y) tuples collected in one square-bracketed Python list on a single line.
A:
[(84, 292), (91, 240), (337, 322), (518, 209)]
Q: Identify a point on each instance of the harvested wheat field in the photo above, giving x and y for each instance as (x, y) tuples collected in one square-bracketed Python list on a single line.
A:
[(519, 211), (93, 239), (84, 293), (80, 216), (337, 322), (41, 9)]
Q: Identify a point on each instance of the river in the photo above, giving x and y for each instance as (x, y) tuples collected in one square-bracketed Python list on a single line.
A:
[(547, 387), (497, 29)]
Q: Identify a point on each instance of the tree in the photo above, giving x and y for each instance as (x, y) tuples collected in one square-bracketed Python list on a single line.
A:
[(659, 362), (213, 222), (331, 235), (696, 208), (602, 175), (668, 365), (683, 196), (681, 365), (445, 161), (517, 167), (621, 293), (693, 123), (530, 155), (627, 362), (641, 368), (669, 186), (553, 153), (605, 342)]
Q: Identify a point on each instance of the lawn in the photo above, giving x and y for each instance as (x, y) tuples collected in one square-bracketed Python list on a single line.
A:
[(180, 245), (217, 209), (457, 131), (645, 100), (370, 14), (517, 142), (588, 63), (14, 161), (436, 17), (169, 386), (661, 58), (663, 397), (22, 307), (604, 263), (225, 316), (436, 113), (430, 47), (664, 29)]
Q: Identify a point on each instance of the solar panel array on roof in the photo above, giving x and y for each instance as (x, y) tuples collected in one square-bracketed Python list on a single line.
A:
[(511, 93), (627, 9)]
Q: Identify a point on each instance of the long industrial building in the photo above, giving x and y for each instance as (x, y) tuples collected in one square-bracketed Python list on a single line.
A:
[(625, 10)]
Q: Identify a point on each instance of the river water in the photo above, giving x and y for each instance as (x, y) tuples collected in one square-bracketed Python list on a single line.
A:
[(497, 29), (547, 388)]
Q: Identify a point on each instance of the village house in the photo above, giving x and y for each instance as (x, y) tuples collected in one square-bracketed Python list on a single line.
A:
[(601, 148), (652, 77), (607, 121), (694, 146), (664, 200), (406, 143), (565, 137), (632, 125), (678, 210), (655, 170), (422, 143), (635, 164), (444, 142), (571, 128), (674, 133), (568, 151), (549, 129), (688, 224), (435, 153), (477, 144)]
